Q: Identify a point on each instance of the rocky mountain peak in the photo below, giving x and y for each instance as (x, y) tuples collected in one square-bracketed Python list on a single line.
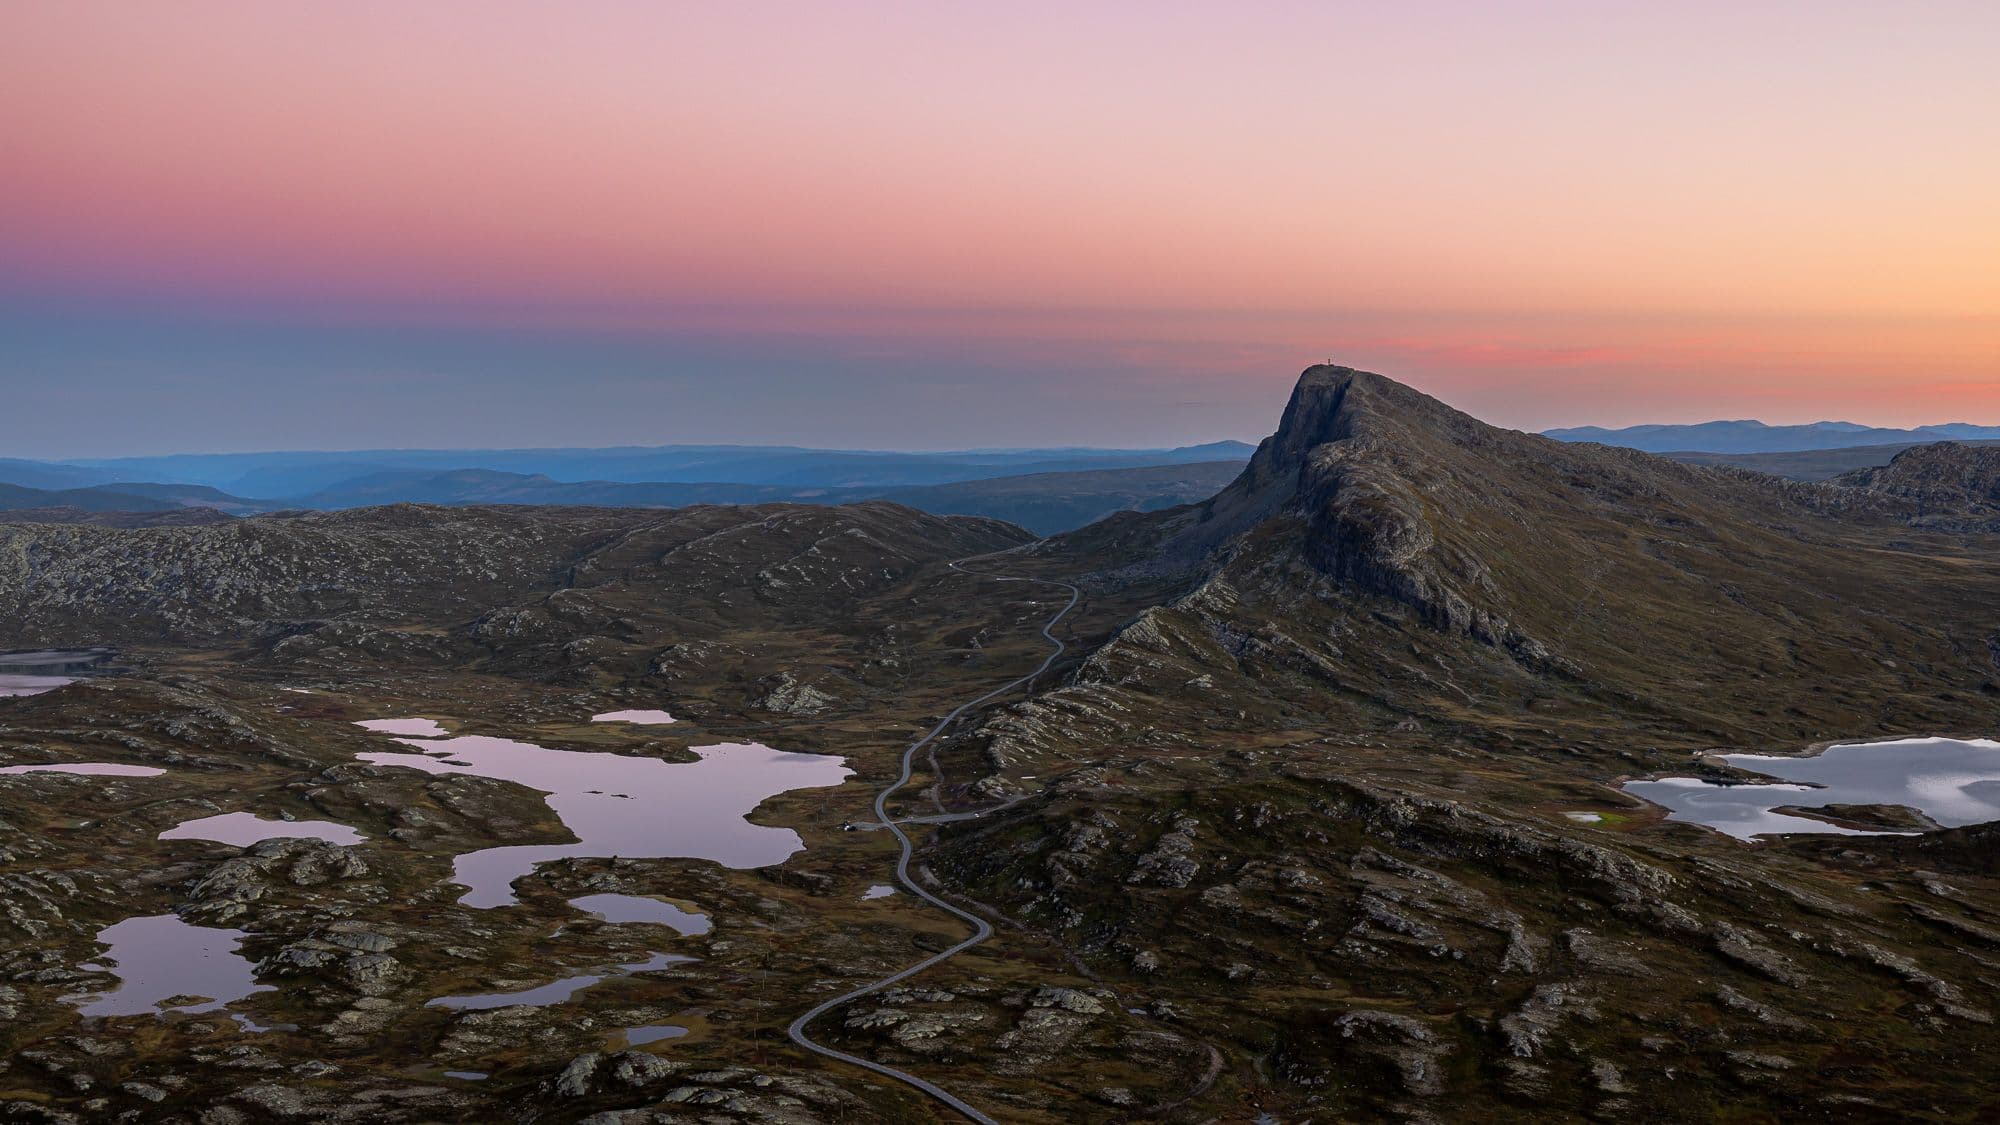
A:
[(1477, 531), (1332, 404), (1371, 482)]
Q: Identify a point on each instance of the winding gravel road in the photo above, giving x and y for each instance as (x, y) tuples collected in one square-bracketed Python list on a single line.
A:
[(981, 928)]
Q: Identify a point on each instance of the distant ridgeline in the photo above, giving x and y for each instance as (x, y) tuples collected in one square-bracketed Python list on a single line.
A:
[(1044, 490), (1755, 437)]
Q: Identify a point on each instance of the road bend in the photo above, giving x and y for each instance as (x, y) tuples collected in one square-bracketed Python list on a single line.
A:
[(981, 929)]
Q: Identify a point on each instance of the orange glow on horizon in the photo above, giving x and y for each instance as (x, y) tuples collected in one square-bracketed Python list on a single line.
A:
[(1784, 206)]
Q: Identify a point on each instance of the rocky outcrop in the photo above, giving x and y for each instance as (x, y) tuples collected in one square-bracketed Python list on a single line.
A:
[(224, 892), (791, 696), (1171, 862), (1948, 484)]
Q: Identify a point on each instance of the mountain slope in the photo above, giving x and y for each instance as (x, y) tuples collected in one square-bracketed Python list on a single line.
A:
[(1559, 556), (1319, 798)]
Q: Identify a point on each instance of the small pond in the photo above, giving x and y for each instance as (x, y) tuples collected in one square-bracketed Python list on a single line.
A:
[(643, 718), (405, 728), (244, 829), (554, 992), (164, 964), (640, 1036), (642, 909)]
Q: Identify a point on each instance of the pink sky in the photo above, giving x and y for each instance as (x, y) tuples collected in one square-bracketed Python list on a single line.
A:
[(1549, 213)]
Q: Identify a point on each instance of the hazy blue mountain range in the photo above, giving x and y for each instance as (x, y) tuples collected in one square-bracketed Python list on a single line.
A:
[(301, 473), (51, 474), (14, 497), (1013, 485), (1751, 436), (129, 496), (1044, 503)]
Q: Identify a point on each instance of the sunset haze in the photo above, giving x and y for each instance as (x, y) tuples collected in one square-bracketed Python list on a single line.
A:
[(372, 224)]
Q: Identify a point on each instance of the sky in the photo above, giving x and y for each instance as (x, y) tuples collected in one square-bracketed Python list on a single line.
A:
[(260, 224)]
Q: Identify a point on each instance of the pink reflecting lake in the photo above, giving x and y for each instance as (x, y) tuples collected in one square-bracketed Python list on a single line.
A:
[(243, 829), (619, 805), (161, 958), (642, 909), (407, 728), (555, 992)]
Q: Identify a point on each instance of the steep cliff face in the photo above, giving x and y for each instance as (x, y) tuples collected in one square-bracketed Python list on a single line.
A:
[(1347, 461), (1385, 501)]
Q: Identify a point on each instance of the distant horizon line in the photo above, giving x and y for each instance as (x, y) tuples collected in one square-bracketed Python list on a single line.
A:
[(86, 460), (719, 446)]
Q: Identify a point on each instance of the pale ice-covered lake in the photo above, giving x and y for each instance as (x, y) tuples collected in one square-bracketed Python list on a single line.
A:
[(640, 718), (34, 672), (14, 684), (1954, 782), (85, 769)]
